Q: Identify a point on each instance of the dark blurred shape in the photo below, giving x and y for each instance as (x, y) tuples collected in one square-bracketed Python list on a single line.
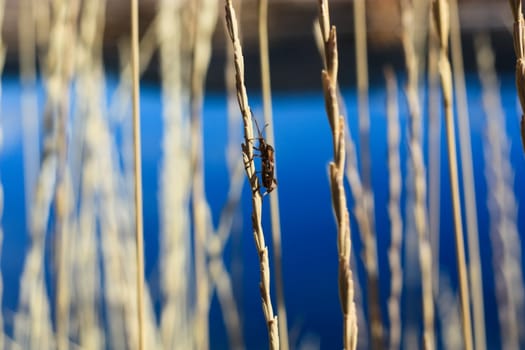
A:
[(294, 59)]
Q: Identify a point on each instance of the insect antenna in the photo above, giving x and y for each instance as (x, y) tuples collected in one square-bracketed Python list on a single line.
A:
[(258, 129)]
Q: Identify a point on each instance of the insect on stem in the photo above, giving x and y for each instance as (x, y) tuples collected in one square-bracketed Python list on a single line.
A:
[(266, 153)]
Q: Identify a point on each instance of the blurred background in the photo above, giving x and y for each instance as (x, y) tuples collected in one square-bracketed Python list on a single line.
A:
[(67, 219)]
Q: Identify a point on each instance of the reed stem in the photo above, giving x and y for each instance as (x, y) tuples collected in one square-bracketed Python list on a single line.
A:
[(336, 176), (139, 239), (394, 210), (419, 208), (442, 20), (274, 198), (465, 148), (248, 157), (365, 208)]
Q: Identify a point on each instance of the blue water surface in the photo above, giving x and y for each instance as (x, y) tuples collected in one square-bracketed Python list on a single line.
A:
[(303, 150)]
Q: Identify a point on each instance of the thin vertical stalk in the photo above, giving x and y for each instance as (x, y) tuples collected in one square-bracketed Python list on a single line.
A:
[(86, 147), (419, 206), (139, 239), (394, 211), (236, 173), (232, 160), (336, 176), (465, 148), (442, 20), (175, 253), (434, 153), (61, 48), (362, 90), (366, 207), (354, 179), (248, 157), (274, 198), (205, 16)]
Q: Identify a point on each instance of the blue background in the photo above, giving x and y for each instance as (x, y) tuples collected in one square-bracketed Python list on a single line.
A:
[(303, 149)]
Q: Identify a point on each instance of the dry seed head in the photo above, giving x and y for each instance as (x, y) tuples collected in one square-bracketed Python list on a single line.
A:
[(346, 229), (331, 52), (334, 174), (341, 151), (329, 98)]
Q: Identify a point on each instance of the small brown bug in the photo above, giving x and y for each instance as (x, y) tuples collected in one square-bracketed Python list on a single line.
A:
[(266, 153)]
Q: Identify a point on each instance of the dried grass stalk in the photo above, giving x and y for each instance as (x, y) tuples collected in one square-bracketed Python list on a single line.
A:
[(394, 211), (35, 330), (221, 279), (220, 276), (248, 157), (60, 65), (365, 208), (354, 179), (502, 204), (449, 315), (148, 44), (274, 199), (336, 171), (434, 152), (175, 200), (362, 91), (233, 160), (139, 230), (204, 20), (519, 49), (419, 172), (442, 20), (475, 273), (89, 121), (119, 239), (116, 229)]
